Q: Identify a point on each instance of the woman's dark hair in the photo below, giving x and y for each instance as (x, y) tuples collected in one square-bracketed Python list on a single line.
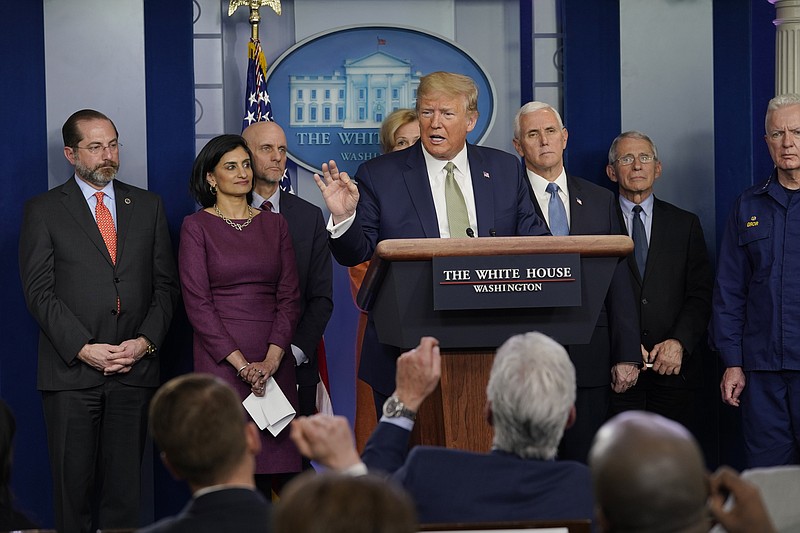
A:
[(205, 162), (7, 429)]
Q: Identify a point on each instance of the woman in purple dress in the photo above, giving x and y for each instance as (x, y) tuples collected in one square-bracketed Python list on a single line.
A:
[(240, 287)]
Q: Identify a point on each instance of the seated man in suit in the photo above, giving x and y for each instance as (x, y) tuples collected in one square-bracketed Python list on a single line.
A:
[(440, 187), (574, 206), (648, 475), (530, 400), (199, 424)]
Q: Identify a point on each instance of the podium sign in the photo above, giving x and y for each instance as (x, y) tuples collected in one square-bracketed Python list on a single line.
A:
[(506, 281)]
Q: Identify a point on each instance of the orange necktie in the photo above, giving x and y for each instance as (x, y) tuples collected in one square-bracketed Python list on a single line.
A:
[(106, 225)]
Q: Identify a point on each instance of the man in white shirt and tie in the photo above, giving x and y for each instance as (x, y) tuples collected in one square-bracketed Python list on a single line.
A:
[(574, 206)]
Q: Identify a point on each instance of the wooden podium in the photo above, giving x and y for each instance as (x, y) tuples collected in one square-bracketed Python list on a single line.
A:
[(398, 291)]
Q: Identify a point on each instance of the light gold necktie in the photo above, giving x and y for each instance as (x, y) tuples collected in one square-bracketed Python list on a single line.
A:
[(457, 216)]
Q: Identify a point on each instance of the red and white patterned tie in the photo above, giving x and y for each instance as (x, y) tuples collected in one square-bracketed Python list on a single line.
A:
[(106, 224)]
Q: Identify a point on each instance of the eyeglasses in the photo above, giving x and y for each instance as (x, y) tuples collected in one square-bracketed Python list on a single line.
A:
[(97, 148), (626, 160)]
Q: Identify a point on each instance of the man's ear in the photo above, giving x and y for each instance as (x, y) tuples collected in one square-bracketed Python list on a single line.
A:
[(571, 417), (487, 412), (168, 466), (611, 173), (253, 438), (69, 153)]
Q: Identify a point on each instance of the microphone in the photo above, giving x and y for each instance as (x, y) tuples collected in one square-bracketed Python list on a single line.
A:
[(492, 232), (470, 233)]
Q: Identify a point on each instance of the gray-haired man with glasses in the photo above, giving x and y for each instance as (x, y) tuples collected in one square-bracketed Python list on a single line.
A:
[(671, 276), (99, 277)]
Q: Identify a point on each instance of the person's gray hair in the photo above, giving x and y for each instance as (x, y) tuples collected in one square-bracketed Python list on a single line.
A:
[(633, 134), (530, 107), (782, 100), (531, 391)]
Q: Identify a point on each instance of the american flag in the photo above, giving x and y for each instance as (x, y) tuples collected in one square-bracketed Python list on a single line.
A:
[(257, 106)]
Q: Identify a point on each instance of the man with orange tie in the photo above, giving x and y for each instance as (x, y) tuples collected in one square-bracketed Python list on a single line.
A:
[(99, 277)]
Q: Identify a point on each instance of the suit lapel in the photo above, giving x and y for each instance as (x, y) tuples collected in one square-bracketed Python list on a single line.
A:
[(419, 189), (76, 206), (630, 259), (286, 203), (576, 218), (659, 233), (482, 189), (535, 202), (125, 206)]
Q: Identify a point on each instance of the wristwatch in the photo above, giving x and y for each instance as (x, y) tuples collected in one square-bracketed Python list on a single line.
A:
[(150, 349), (394, 408)]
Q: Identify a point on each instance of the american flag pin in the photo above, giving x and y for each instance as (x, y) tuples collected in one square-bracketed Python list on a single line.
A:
[(486, 175), (580, 202)]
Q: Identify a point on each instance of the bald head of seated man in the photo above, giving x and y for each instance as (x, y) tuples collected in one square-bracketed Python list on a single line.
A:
[(648, 475)]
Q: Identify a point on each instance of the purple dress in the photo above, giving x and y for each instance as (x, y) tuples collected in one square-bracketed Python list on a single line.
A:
[(240, 289)]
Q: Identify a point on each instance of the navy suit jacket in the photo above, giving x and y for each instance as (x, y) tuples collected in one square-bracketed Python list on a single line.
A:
[(234, 509), (310, 242), (674, 298), (71, 285), (593, 210), (457, 486), (396, 203)]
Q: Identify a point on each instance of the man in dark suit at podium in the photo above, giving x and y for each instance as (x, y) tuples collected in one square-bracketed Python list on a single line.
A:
[(671, 275), (530, 401), (574, 206), (440, 187)]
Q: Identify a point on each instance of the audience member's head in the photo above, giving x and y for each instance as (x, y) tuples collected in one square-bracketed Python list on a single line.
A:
[(337, 503), (205, 163), (648, 475), (399, 130), (531, 395), (199, 424)]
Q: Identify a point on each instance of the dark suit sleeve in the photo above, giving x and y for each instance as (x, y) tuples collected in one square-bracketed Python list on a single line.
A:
[(691, 323), (318, 293), (623, 314), (623, 318), (387, 448), (165, 282), (37, 270)]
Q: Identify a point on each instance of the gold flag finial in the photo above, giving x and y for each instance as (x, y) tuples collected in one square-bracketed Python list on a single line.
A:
[(254, 5)]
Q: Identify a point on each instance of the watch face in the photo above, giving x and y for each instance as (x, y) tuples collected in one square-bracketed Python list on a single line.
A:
[(392, 407)]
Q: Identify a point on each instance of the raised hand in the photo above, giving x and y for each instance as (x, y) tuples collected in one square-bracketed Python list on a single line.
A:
[(338, 190)]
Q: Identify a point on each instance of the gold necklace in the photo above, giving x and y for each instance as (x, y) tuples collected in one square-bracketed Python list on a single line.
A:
[(233, 224)]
